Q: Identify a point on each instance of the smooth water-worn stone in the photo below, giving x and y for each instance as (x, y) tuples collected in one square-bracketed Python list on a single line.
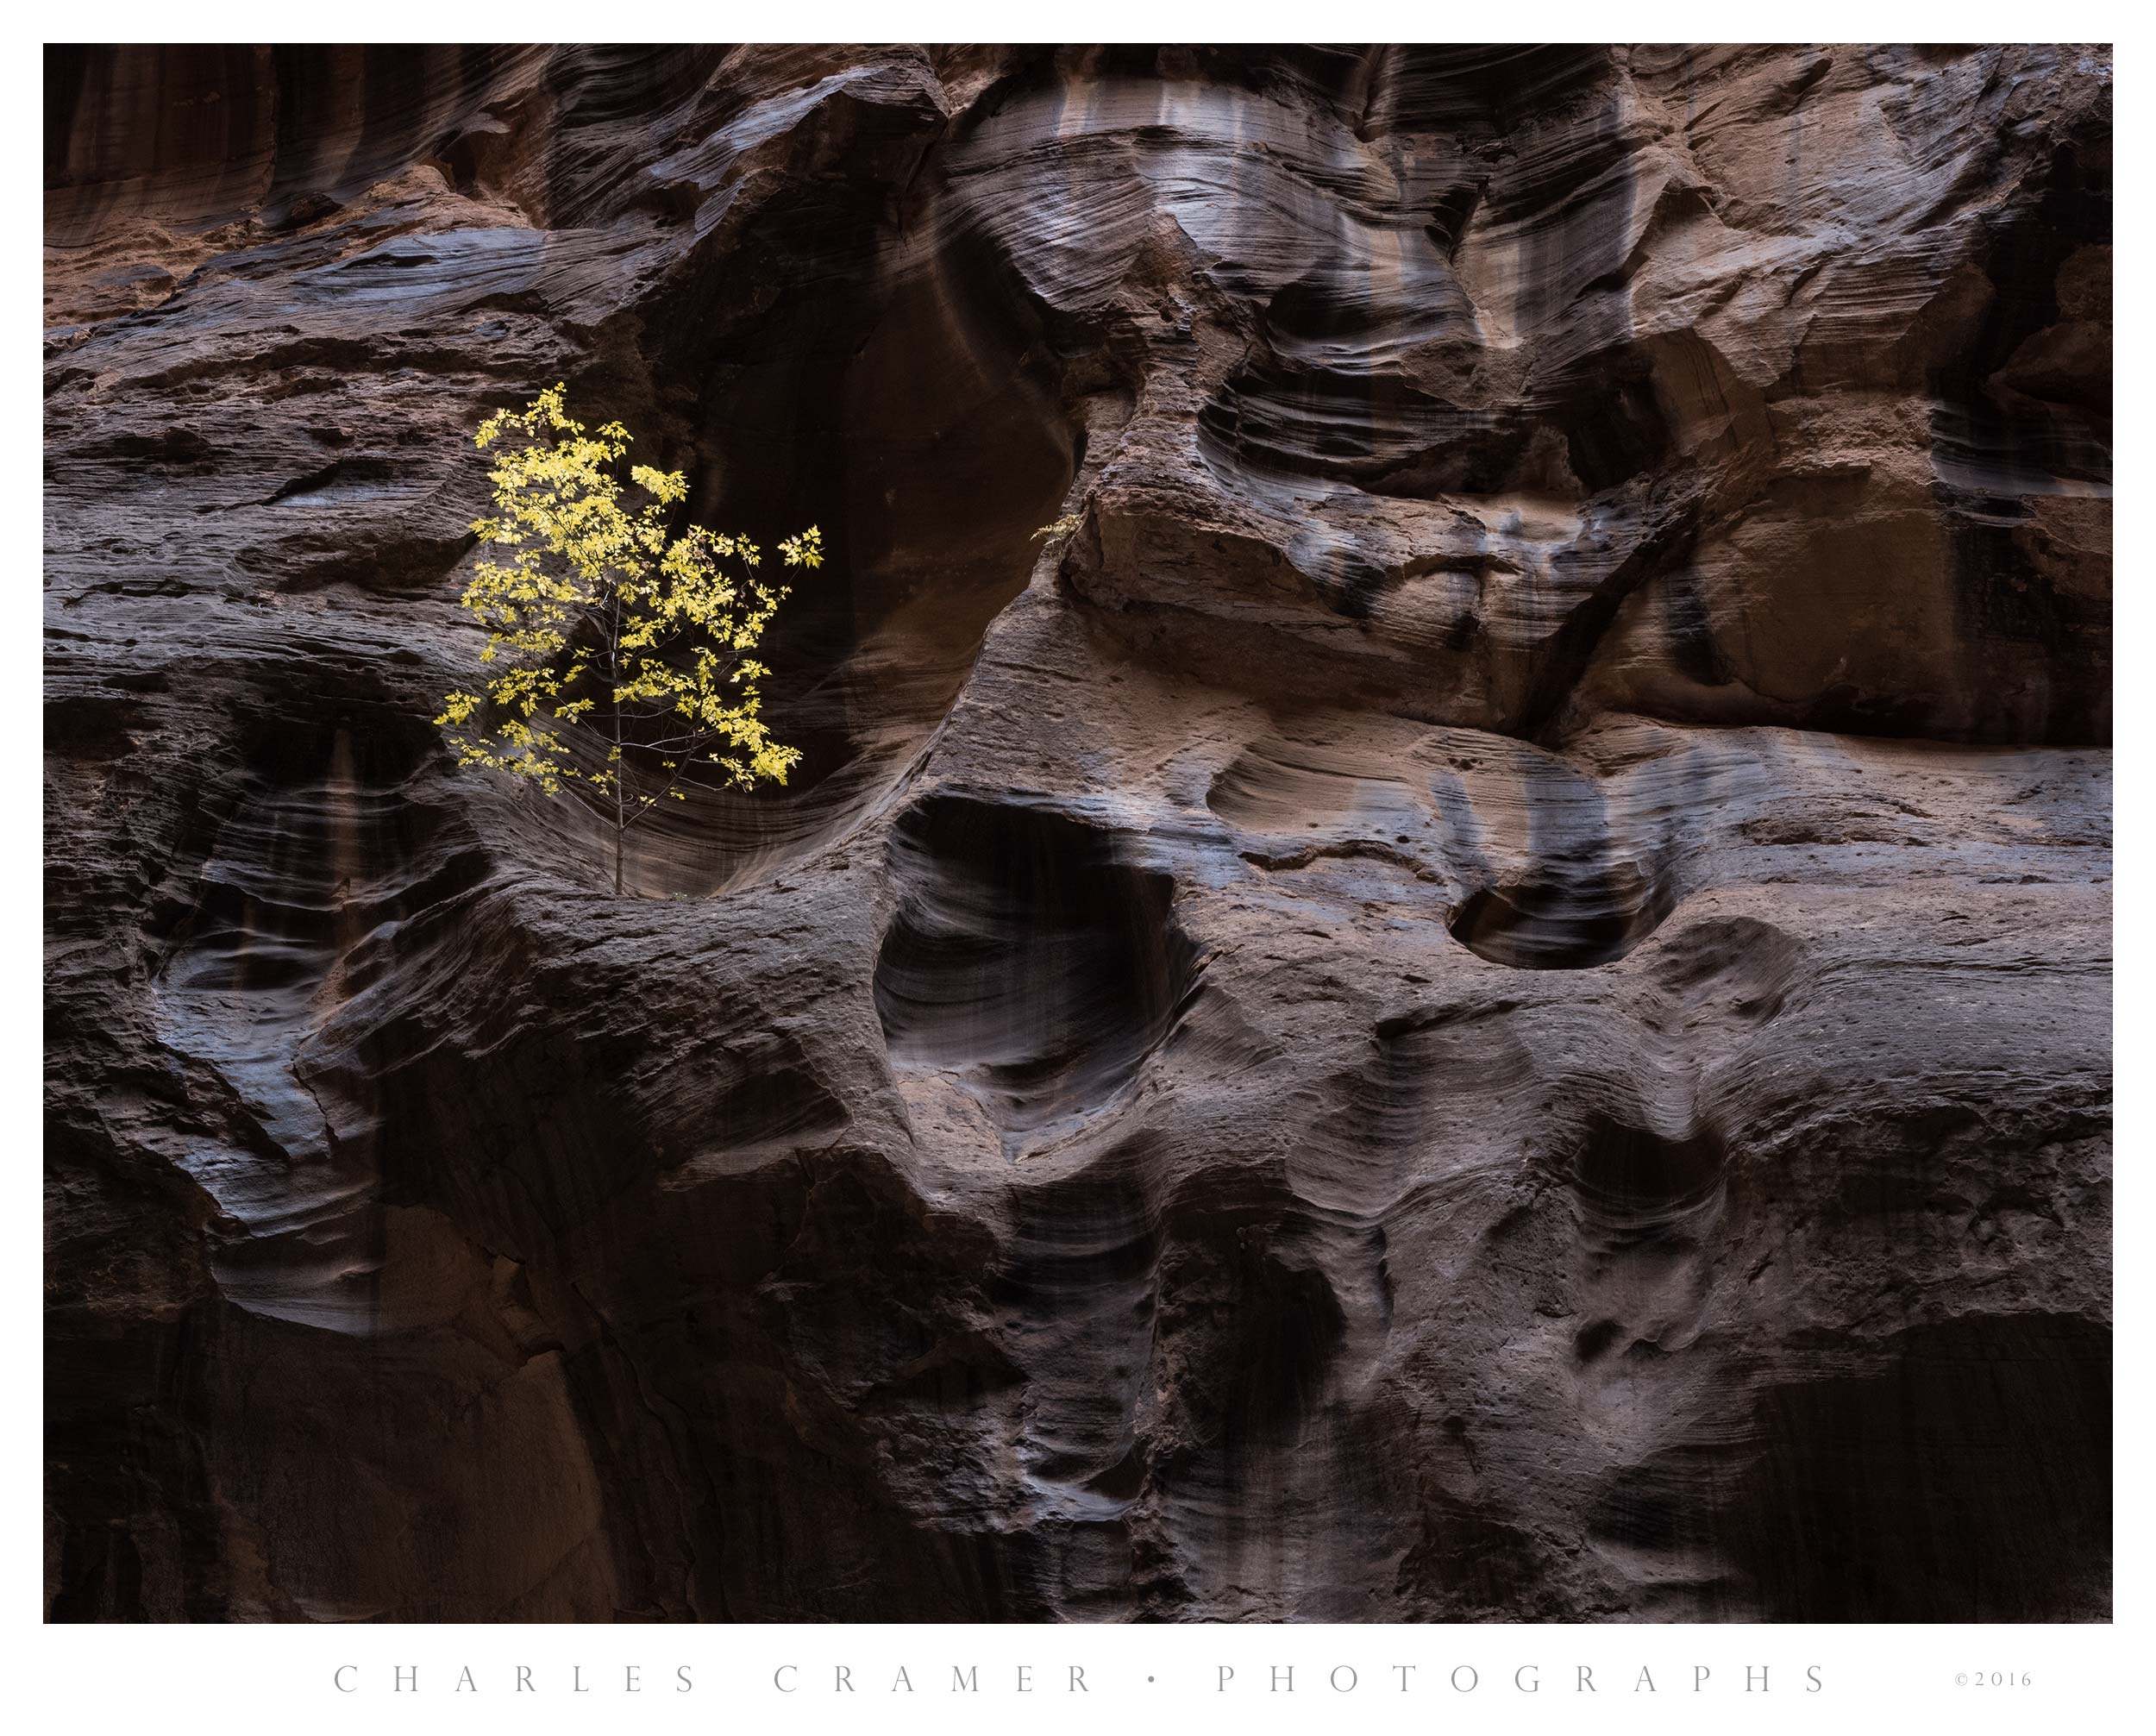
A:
[(1483, 992)]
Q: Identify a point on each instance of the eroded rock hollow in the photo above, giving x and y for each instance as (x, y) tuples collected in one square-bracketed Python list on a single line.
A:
[(1485, 995)]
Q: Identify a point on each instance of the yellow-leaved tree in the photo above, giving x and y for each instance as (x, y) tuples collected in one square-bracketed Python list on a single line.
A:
[(620, 651)]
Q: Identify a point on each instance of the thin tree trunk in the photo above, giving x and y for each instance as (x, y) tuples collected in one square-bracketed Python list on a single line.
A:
[(613, 674)]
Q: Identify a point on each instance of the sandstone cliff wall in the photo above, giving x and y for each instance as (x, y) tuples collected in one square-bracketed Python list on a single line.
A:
[(1487, 996)]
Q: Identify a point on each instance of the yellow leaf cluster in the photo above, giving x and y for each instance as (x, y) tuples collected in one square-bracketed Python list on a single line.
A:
[(608, 628)]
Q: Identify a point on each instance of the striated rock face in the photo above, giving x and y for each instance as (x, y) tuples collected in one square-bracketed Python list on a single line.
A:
[(1486, 995)]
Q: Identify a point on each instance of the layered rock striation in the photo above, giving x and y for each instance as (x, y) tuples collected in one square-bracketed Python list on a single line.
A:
[(1484, 995)]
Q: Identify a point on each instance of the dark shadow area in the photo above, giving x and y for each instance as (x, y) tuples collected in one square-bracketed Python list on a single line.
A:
[(1968, 1479), (1026, 958), (896, 407), (2021, 438), (1631, 1183), (1577, 914)]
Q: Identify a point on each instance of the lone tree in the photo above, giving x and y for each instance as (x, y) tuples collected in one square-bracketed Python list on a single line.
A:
[(621, 651)]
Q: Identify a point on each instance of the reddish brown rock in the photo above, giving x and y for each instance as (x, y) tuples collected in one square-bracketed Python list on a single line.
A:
[(1486, 995)]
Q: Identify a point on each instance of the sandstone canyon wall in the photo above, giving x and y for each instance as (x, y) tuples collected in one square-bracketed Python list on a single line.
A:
[(1485, 996)]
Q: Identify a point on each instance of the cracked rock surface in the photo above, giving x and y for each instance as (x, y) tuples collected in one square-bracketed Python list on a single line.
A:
[(1484, 994)]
